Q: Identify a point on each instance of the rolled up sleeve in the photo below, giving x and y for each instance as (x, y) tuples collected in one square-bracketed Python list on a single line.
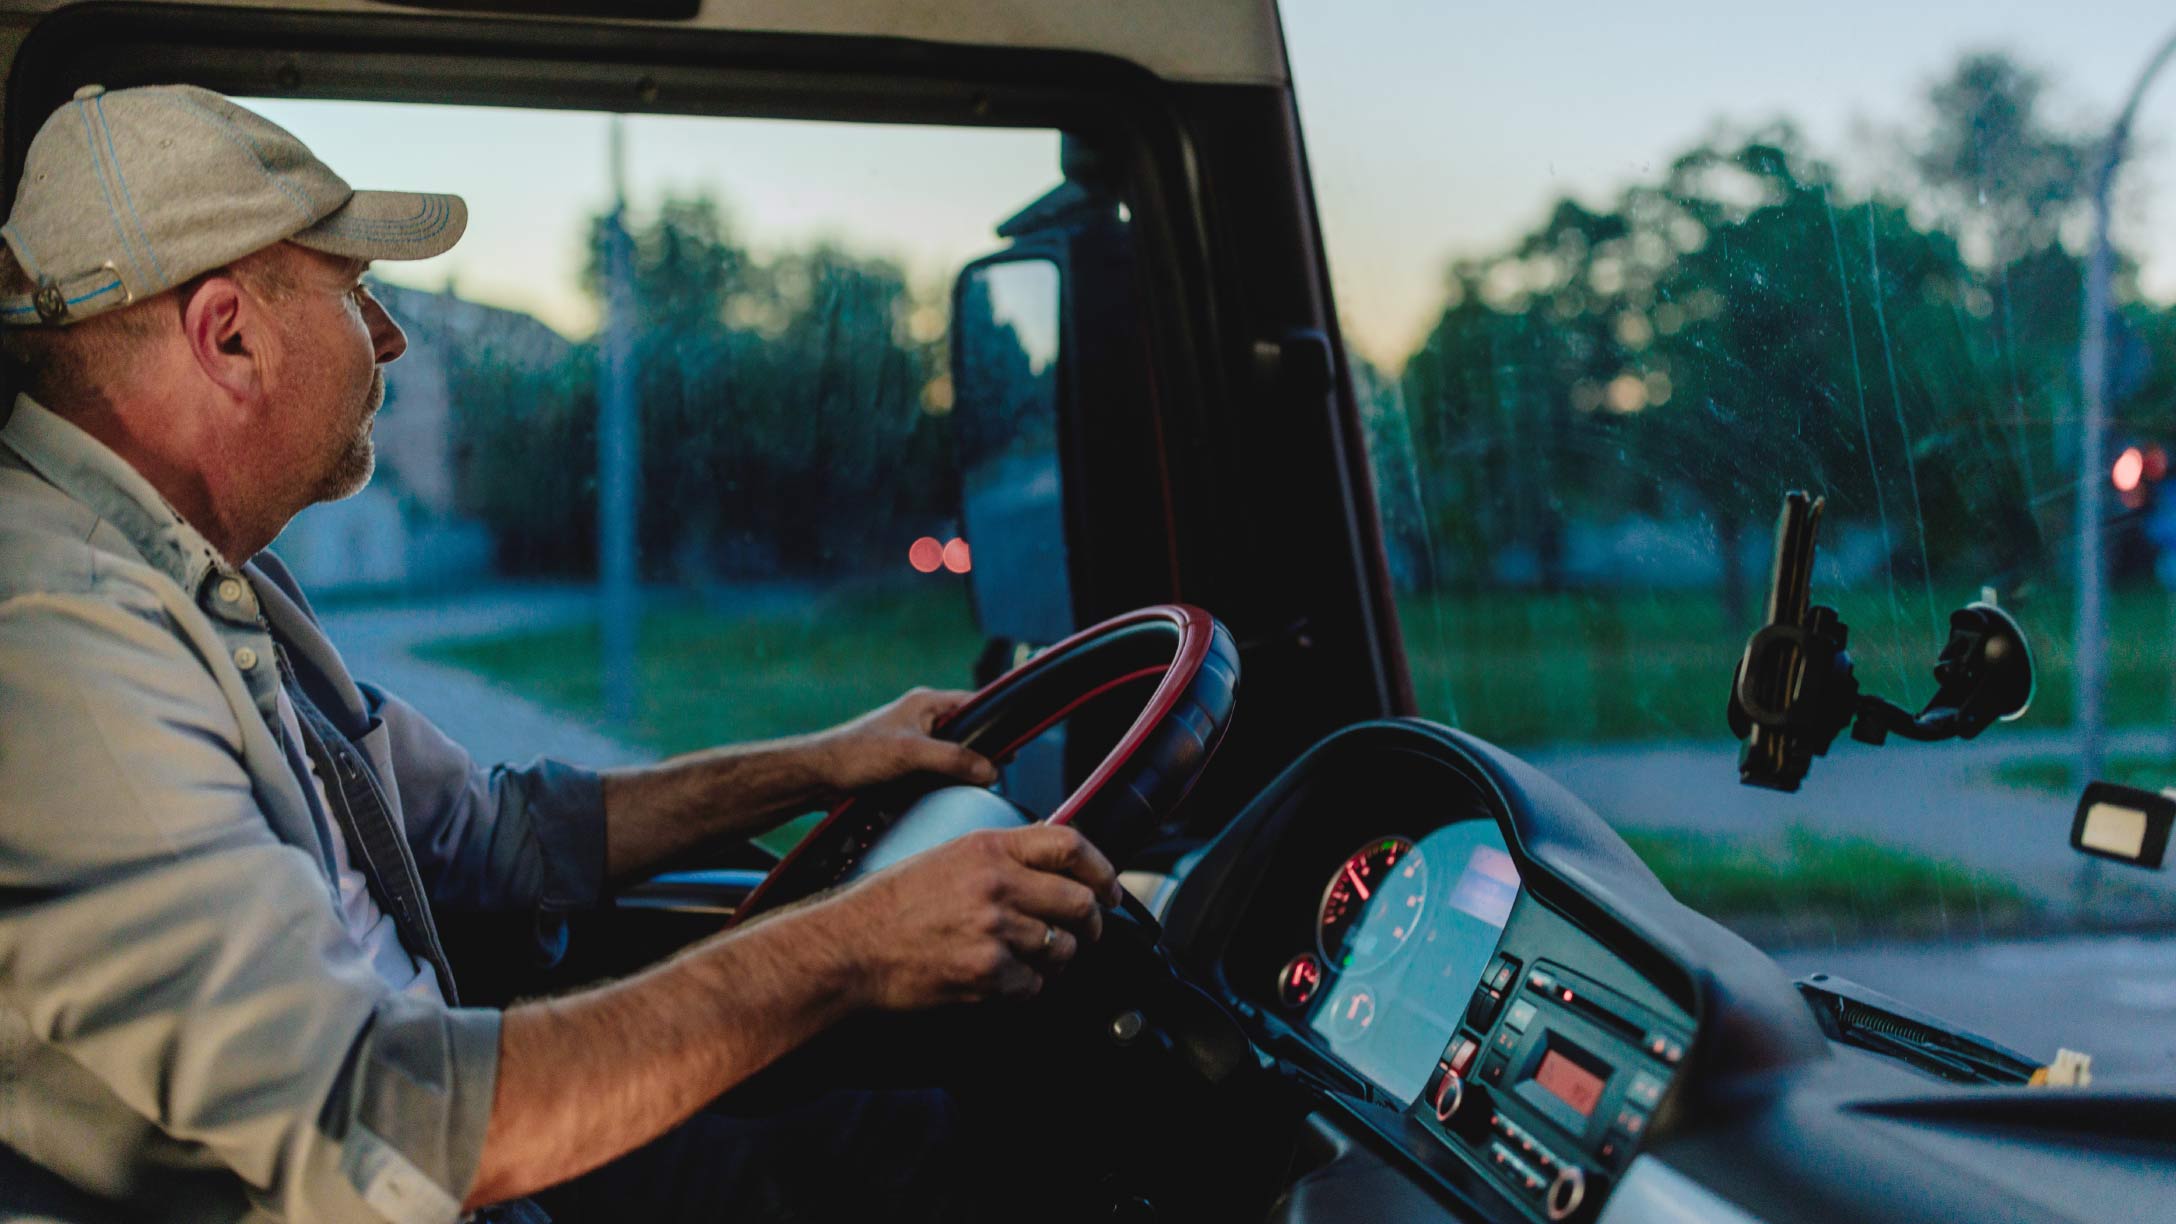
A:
[(153, 929), (497, 839)]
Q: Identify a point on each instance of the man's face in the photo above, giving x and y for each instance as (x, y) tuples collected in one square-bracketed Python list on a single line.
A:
[(336, 336)]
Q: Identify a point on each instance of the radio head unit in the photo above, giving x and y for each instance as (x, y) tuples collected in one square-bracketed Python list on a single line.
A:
[(1553, 1085)]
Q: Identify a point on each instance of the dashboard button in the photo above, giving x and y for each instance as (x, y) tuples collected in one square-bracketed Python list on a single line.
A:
[(1460, 1057), (1566, 1191), (1506, 972), (1492, 1069), (1632, 1123), (1521, 1173), (1665, 1047), (1507, 1040), (1483, 1008), (1450, 1094), (1520, 1015), (1644, 1091), (1541, 982)]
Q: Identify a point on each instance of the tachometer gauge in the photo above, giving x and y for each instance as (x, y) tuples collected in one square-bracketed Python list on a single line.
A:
[(1372, 906), (1298, 981)]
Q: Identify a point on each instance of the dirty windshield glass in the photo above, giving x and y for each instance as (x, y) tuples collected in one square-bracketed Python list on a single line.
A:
[(674, 457), (1613, 286)]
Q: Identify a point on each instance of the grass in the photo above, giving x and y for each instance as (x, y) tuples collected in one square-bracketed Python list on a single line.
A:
[(1825, 886), (1599, 666), (707, 678), (2052, 774)]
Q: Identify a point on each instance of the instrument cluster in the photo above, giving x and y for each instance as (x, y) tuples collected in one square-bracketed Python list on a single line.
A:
[(1401, 929)]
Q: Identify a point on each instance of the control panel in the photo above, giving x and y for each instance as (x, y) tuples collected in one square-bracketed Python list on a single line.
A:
[(1550, 1083)]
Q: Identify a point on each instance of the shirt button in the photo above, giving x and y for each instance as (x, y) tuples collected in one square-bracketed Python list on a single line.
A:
[(230, 591), (245, 658)]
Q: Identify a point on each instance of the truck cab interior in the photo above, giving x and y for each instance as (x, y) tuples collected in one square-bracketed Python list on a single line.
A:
[(1094, 443)]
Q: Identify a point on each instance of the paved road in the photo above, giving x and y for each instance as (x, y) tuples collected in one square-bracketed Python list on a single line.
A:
[(1938, 799)]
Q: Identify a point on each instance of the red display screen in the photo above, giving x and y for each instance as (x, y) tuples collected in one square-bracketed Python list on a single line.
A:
[(1569, 1082)]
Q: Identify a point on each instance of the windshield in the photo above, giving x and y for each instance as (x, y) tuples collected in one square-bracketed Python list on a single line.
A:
[(1612, 286)]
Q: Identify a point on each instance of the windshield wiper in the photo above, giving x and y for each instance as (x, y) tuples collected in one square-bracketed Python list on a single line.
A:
[(1854, 1015)]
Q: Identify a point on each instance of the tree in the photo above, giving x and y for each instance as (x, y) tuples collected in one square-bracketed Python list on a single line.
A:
[(782, 402), (2000, 174)]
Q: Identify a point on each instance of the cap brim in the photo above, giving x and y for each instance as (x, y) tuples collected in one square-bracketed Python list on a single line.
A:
[(389, 225)]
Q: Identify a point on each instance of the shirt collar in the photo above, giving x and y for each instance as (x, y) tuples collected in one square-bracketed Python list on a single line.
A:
[(84, 468)]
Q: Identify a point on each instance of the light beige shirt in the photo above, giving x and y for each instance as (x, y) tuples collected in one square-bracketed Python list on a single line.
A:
[(188, 1028)]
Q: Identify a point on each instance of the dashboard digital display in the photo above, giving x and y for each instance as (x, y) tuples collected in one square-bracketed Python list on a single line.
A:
[(1405, 929), (1569, 1082)]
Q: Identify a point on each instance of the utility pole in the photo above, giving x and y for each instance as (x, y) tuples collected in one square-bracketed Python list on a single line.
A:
[(2090, 643), (619, 454)]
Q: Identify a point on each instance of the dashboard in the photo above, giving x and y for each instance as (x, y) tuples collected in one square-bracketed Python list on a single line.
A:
[(1375, 927), (1489, 1009)]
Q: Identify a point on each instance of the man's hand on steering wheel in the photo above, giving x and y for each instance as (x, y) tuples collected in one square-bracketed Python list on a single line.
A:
[(990, 915), (894, 741)]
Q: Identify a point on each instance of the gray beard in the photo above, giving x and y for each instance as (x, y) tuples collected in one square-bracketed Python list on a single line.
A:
[(360, 460)]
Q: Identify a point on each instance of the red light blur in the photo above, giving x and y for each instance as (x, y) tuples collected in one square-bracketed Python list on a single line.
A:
[(956, 557), (926, 554), (2130, 469), (2156, 462)]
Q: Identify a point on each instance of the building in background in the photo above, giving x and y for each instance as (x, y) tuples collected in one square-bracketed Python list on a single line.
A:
[(407, 529)]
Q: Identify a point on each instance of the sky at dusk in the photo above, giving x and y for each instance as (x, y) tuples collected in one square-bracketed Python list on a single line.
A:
[(1436, 129)]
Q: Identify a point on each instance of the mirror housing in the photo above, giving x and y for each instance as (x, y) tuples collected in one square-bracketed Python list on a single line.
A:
[(2123, 823)]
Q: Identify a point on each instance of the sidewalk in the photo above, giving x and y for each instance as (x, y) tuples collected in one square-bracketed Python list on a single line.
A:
[(493, 723)]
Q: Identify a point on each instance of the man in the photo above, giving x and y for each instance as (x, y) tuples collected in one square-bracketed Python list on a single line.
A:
[(221, 990)]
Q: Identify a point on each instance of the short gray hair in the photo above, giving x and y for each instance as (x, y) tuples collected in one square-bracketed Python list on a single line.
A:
[(56, 364)]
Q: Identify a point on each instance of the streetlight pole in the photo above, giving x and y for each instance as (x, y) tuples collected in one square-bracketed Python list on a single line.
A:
[(619, 450), (2090, 646)]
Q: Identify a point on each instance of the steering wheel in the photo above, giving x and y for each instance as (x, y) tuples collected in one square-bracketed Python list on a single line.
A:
[(1121, 803)]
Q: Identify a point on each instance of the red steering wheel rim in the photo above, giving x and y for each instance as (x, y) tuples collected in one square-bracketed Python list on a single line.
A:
[(1199, 640)]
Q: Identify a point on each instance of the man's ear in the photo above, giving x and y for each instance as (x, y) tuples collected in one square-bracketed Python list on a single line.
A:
[(228, 335)]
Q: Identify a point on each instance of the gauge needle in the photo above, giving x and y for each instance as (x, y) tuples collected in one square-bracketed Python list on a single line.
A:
[(1354, 876)]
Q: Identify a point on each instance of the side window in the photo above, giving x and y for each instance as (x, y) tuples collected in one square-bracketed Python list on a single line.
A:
[(807, 505)]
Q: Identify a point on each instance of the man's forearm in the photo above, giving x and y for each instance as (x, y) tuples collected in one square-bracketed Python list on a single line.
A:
[(653, 812), (586, 1078)]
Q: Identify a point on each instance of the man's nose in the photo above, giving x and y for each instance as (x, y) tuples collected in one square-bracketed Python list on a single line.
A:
[(386, 337)]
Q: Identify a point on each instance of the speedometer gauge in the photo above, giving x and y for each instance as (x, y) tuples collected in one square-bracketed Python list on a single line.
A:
[(1372, 905)]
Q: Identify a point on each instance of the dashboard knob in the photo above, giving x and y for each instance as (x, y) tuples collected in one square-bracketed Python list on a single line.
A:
[(1450, 1094), (1566, 1192)]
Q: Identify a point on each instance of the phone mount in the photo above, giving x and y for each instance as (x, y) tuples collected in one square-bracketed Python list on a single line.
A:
[(1794, 691)]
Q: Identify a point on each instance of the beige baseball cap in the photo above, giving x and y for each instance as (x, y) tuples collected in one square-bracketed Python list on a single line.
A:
[(128, 193)]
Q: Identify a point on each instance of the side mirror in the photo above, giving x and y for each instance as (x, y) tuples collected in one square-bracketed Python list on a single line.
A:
[(2123, 823), (1007, 357)]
